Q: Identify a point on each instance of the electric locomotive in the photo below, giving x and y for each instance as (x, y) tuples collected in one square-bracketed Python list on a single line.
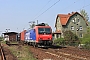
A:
[(40, 35)]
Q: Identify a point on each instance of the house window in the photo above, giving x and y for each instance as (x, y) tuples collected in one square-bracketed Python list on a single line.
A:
[(58, 20), (72, 27), (78, 20), (80, 28), (81, 35), (77, 29), (73, 20)]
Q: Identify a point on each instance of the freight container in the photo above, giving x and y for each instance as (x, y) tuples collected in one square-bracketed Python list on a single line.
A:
[(22, 35)]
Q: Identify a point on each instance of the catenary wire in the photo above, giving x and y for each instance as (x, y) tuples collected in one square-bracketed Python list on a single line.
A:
[(43, 8), (47, 9)]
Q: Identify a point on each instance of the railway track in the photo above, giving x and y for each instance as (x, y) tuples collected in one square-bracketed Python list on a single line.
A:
[(59, 53), (66, 53), (69, 53), (2, 53)]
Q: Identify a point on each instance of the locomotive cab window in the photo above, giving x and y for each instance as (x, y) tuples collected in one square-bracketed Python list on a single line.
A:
[(44, 30)]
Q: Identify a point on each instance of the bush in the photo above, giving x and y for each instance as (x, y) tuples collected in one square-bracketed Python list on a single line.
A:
[(59, 41), (71, 38)]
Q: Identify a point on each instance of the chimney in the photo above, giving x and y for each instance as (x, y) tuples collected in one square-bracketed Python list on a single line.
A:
[(72, 12), (68, 13)]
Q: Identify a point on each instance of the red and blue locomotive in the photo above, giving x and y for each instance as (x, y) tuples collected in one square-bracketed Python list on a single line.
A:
[(40, 35)]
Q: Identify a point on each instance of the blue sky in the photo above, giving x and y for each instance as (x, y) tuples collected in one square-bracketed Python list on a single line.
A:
[(15, 14)]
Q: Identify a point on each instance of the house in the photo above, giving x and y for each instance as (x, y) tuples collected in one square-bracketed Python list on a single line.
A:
[(10, 36), (74, 22)]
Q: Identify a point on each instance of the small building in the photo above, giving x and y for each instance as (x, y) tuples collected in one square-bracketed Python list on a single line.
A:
[(56, 34), (10, 36)]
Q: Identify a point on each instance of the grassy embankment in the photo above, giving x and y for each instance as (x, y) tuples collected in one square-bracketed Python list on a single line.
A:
[(21, 52)]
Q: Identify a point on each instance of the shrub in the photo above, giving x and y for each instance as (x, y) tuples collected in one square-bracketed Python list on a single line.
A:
[(86, 40), (59, 41), (71, 38)]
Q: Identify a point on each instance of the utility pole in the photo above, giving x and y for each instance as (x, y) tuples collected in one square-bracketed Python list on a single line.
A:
[(37, 21)]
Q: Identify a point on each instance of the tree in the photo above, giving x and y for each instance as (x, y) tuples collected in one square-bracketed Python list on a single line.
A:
[(84, 14), (32, 24)]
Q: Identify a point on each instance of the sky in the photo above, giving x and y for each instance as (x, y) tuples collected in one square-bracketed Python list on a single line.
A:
[(16, 14)]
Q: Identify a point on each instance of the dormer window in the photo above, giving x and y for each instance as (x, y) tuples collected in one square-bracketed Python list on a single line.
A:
[(78, 20)]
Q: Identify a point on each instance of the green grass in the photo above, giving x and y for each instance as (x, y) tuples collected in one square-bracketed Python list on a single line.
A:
[(4, 42), (21, 52)]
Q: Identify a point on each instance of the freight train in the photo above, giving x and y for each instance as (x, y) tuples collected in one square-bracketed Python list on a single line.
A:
[(39, 36)]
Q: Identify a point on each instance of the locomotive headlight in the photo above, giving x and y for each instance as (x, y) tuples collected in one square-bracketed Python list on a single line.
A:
[(40, 38)]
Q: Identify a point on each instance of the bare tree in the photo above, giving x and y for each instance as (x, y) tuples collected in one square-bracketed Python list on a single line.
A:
[(32, 24), (84, 14)]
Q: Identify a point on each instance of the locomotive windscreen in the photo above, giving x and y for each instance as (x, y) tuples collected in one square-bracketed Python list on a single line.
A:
[(44, 30)]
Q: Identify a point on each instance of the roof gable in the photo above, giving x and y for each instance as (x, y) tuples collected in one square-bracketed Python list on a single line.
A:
[(65, 17)]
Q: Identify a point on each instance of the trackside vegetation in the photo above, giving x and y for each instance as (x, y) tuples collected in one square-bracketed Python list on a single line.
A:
[(86, 39), (71, 39)]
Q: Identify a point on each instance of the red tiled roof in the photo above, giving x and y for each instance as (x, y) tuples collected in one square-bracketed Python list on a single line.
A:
[(63, 18)]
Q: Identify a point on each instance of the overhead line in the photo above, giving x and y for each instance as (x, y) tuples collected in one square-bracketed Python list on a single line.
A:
[(71, 4), (83, 7), (52, 6), (43, 7), (86, 6), (48, 9)]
